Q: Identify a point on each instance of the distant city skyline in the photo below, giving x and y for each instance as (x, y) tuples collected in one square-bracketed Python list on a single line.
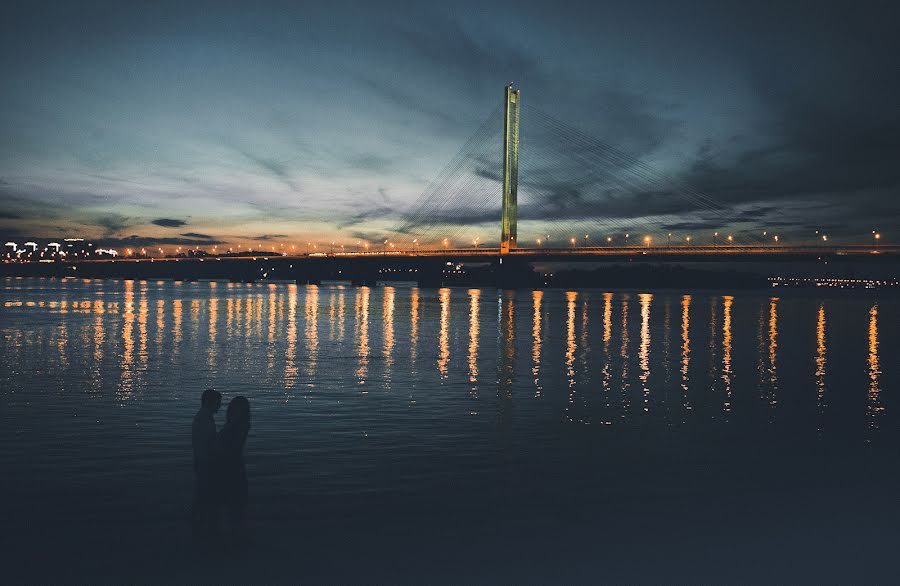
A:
[(202, 124)]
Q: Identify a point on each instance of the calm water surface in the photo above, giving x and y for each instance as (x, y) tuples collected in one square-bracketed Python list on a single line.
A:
[(416, 434)]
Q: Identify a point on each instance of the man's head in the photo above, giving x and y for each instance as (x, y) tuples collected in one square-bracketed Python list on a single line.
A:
[(211, 399)]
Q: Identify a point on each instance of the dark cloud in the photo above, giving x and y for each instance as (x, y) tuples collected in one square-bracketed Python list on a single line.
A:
[(168, 222), (112, 223), (5, 215), (137, 241), (197, 235), (267, 237)]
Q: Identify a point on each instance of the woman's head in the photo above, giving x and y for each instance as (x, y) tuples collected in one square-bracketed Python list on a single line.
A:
[(238, 411)]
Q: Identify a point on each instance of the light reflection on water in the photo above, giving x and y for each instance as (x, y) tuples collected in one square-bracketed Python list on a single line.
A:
[(136, 355)]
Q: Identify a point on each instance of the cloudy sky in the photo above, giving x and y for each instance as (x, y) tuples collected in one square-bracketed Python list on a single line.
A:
[(200, 122)]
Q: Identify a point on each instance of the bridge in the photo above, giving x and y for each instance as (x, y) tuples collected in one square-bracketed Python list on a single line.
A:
[(564, 213)]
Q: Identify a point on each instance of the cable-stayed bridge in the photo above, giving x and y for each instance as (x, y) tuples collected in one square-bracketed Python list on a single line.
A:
[(544, 184)]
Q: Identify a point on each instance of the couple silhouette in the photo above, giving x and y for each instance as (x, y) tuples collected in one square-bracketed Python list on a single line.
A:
[(220, 487)]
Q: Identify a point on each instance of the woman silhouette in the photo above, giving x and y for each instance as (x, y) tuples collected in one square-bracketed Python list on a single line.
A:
[(232, 475)]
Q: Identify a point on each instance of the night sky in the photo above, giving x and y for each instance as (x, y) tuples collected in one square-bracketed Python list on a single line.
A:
[(197, 123)]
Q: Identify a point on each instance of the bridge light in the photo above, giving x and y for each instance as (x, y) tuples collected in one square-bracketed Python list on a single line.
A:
[(539, 242), (824, 238), (688, 239), (776, 238), (445, 243), (573, 243), (730, 238), (647, 240), (609, 238)]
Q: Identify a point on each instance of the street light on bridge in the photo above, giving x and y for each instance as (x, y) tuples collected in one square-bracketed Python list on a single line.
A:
[(647, 241), (688, 240), (875, 237), (573, 243), (416, 245), (715, 239), (445, 243), (609, 239), (538, 242), (669, 239), (730, 239)]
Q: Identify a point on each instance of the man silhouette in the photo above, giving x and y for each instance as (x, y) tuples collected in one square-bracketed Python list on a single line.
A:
[(203, 439)]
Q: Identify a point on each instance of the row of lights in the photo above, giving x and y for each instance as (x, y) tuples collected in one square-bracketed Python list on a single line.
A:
[(312, 247)]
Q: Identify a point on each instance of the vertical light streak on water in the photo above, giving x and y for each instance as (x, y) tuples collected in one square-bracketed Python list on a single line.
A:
[(606, 373), (571, 348), (537, 340), (342, 312), (290, 354), (727, 373), (713, 346), (160, 323), (238, 316), (230, 311), (474, 329), (507, 345), (272, 312), (644, 352), (413, 328), (311, 315), (212, 351), (773, 353), (272, 315), (143, 312), (875, 406), (332, 313), (387, 318), (821, 357), (125, 382), (623, 354), (195, 318), (258, 317), (62, 343), (99, 339), (177, 319), (362, 318), (686, 352), (444, 334), (248, 315)]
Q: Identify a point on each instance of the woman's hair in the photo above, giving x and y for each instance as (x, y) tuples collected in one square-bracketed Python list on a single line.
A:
[(238, 411)]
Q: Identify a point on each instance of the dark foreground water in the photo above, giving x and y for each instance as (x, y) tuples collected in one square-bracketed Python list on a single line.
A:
[(452, 435)]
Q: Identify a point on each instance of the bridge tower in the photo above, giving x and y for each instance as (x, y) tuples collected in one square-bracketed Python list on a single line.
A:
[(510, 169)]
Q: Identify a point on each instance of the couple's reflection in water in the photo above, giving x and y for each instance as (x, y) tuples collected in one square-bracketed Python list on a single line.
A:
[(220, 476)]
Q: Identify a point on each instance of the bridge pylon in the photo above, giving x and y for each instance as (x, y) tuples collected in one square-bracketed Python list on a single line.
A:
[(510, 169)]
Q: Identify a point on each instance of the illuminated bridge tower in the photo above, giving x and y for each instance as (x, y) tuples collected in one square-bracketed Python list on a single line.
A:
[(510, 169)]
